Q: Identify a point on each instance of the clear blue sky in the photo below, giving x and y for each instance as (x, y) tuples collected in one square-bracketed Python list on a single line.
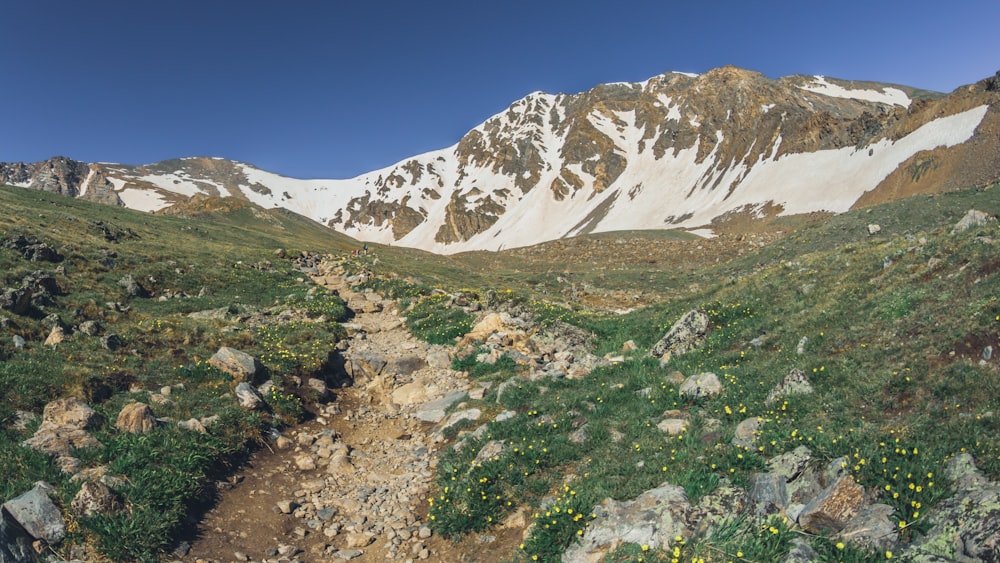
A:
[(334, 88)]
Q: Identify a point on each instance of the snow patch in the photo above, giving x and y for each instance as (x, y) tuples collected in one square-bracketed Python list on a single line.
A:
[(142, 200), (893, 96)]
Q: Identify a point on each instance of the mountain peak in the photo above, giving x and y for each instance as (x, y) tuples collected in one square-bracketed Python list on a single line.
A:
[(675, 151)]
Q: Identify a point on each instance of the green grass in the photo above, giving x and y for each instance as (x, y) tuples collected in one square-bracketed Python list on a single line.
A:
[(893, 354), (227, 256), (895, 325)]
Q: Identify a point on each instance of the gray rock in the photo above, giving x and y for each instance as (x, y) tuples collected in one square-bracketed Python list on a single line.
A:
[(90, 328), (132, 287), (15, 543), (746, 433), (768, 493), (220, 314), (795, 383), (685, 335), (112, 342), (36, 512), (459, 416), (249, 397), (19, 342), (434, 411), (718, 506), (701, 385), (17, 301), (801, 552), (348, 554), (242, 366), (439, 359), (872, 527), (490, 451), (973, 218)]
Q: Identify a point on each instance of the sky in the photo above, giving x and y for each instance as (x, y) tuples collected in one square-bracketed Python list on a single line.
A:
[(335, 88)]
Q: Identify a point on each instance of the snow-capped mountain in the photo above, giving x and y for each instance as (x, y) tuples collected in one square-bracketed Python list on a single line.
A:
[(675, 151)]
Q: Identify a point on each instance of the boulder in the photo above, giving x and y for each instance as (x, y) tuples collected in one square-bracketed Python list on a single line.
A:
[(685, 335), (56, 336), (833, 509), (966, 525), (973, 218), (701, 385), (872, 527), (240, 365), (36, 512), (795, 383), (673, 426), (746, 433), (192, 424), (249, 397), (136, 418), (132, 287)]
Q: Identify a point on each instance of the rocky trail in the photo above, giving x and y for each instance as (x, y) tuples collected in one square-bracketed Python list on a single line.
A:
[(352, 483)]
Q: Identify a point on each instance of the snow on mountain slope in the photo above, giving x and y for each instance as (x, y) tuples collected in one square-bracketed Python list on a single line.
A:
[(674, 151)]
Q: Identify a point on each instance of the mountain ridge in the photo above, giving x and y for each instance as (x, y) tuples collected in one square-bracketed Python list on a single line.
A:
[(674, 151)]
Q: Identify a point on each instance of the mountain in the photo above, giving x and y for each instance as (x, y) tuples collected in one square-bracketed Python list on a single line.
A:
[(675, 151)]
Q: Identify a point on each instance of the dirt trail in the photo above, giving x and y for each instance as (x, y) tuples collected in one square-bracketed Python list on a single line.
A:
[(353, 482)]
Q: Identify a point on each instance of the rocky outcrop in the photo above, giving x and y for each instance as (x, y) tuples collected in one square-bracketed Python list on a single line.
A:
[(64, 428)]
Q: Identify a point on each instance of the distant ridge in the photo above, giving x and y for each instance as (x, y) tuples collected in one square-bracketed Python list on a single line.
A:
[(674, 151)]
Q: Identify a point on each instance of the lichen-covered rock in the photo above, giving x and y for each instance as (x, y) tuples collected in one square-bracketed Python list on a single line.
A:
[(872, 527), (966, 525), (94, 498), (973, 218), (795, 383), (654, 518), (745, 435), (685, 335), (71, 411)]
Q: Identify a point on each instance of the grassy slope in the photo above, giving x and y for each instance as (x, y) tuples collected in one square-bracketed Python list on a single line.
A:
[(168, 472), (896, 326)]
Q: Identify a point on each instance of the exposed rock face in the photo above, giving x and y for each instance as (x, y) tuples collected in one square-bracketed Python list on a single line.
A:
[(15, 543)]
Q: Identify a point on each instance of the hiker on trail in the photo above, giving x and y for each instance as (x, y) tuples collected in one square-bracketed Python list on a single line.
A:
[(366, 249)]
